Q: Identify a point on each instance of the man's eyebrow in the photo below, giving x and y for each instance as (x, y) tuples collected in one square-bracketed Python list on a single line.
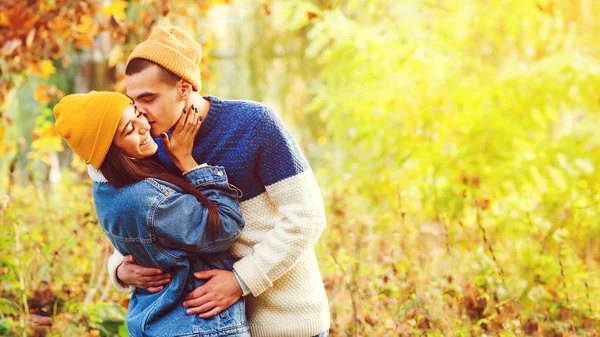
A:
[(145, 94)]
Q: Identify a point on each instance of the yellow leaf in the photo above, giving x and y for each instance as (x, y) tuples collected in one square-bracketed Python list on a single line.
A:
[(78, 164), (119, 86), (44, 69), (86, 25), (85, 40), (115, 55), (41, 94), (2, 136), (116, 8), (4, 19), (8, 100), (30, 37)]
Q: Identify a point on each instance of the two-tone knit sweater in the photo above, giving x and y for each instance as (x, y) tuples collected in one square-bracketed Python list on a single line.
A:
[(284, 215)]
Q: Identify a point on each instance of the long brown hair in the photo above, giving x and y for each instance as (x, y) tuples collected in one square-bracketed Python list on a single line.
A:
[(120, 170)]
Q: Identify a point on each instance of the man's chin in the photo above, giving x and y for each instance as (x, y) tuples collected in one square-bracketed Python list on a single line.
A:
[(155, 134)]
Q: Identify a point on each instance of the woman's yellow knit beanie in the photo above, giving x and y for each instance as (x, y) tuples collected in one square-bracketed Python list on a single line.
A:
[(174, 50), (88, 122)]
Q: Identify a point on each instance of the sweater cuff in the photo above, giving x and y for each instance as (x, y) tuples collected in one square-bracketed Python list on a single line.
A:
[(113, 263), (254, 278), (245, 290)]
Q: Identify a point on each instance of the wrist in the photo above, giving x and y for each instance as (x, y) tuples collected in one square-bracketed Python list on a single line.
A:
[(245, 291), (117, 276), (186, 164)]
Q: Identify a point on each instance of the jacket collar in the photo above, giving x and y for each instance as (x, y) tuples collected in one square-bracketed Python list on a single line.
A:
[(96, 175)]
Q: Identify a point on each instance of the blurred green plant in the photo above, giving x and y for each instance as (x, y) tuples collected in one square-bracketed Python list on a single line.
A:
[(459, 163), (454, 142)]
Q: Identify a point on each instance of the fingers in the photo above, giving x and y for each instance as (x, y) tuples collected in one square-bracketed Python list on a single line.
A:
[(188, 124), (149, 283), (166, 140), (188, 115), (152, 281), (205, 274), (197, 293), (188, 121), (143, 271), (198, 302), (181, 121), (128, 259), (158, 283), (154, 289), (198, 121), (201, 309), (211, 313), (192, 120)]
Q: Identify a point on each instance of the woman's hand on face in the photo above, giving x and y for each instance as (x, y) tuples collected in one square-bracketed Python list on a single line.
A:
[(181, 142)]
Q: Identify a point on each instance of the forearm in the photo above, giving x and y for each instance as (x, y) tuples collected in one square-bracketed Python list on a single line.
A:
[(298, 199), (185, 164)]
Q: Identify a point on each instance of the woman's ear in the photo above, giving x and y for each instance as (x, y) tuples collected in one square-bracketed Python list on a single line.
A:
[(185, 89)]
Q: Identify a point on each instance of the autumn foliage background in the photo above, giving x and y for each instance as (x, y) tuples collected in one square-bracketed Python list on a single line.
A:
[(455, 143)]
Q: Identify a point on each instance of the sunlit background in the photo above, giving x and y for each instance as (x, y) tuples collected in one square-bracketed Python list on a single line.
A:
[(455, 143)]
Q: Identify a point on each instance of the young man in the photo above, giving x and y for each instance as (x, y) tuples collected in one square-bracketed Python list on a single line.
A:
[(281, 202)]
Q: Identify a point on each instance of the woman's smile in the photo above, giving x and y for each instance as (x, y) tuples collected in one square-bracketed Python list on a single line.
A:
[(145, 141)]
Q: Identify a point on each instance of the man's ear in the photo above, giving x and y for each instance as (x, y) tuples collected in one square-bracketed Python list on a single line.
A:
[(185, 89)]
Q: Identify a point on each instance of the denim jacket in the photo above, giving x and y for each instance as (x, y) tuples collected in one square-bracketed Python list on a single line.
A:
[(163, 227)]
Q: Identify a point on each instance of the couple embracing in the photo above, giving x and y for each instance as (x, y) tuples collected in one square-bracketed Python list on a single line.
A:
[(210, 204)]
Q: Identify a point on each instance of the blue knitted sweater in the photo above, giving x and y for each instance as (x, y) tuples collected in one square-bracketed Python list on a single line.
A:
[(250, 141)]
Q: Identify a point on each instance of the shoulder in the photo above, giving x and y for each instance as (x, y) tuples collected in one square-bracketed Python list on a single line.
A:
[(258, 120), (250, 110), (142, 194)]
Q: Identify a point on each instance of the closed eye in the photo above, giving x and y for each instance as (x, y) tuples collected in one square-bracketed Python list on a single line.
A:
[(138, 114)]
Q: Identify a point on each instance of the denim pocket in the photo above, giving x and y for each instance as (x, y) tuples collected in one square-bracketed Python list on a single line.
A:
[(224, 315)]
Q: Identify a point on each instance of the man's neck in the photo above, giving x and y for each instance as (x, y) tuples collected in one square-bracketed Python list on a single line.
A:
[(203, 105)]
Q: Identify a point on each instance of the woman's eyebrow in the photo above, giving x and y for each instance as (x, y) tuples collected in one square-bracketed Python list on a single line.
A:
[(125, 128)]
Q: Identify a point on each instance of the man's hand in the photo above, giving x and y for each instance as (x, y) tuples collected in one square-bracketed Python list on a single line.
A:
[(220, 292), (151, 279)]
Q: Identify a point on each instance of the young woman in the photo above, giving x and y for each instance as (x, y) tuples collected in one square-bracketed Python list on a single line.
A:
[(177, 224)]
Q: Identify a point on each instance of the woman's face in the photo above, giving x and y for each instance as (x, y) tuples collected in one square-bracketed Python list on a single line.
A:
[(132, 136)]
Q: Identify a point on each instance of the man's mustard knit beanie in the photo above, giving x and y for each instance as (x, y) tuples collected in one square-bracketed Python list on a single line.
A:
[(88, 122), (174, 50)]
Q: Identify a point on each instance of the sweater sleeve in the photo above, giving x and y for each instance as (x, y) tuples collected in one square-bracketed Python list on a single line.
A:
[(113, 263), (291, 185)]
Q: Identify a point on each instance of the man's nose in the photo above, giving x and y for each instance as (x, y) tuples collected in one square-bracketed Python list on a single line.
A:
[(145, 125), (142, 110)]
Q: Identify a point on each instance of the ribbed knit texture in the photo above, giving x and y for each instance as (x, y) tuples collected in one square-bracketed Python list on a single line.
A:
[(284, 215), (100, 113), (175, 50)]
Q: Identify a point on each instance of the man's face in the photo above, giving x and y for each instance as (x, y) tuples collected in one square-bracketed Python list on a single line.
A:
[(158, 101)]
